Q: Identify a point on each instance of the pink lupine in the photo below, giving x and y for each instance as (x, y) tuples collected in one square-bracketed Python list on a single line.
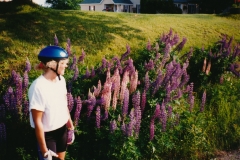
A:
[(146, 82), (151, 130), (125, 103), (133, 82), (116, 81), (149, 47), (113, 126), (97, 90), (125, 81), (106, 93)]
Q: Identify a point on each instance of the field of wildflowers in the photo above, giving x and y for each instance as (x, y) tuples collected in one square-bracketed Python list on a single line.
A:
[(160, 105)]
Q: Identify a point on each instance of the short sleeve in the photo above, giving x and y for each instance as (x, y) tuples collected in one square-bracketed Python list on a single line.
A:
[(36, 100)]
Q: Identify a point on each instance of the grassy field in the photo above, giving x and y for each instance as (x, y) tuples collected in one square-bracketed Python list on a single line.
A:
[(25, 30)]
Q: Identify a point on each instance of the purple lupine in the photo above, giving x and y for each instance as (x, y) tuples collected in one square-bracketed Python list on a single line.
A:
[(203, 101), (149, 66), (146, 82), (149, 47), (27, 66), (87, 74), (131, 124), (129, 66), (105, 116), (163, 117), (124, 129), (191, 103), (76, 73), (19, 96), (25, 81), (175, 40), (91, 102), (136, 99), (55, 40), (74, 63), (2, 112), (81, 58), (2, 133), (168, 93), (69, 47), (185, 79), (7, 97), (70, 101), (151, 130), (26, 108), (157, 112), (126, 53), (158, 82), (167, 51), (78, 110), (98, 116), (125, 103), (143, 101), (232, 69), (179, 94), (138, 117), (156, 48), (113, 126), (13, 104), (181, 44), (190, 93)]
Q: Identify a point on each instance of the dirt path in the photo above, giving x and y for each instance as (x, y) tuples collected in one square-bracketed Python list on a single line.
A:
[(232, 155)]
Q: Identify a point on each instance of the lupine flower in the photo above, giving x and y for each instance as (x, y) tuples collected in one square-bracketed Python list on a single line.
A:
[(81, 58), (69, 47), (133, 82), (78, 110), (185, 79), (26, 107), (119, 118), (138, 117), (2, 133), (76, 73), (168, 93), (151, 130), (143, 101), (170, 111), (13, 105), (125, 103), (175, 40), (126, 53), (123, 128), (208, 67), (179, 94), (136, 99), (98, 115), (55, 40), (167, 51), (156, 47), (149, 66), (124, 83), (190, 93), (204, 64), (156, 114), (70, 101), (87, 74), (203, 101), (113, 126), (129, 66), (131, 124), (181, 44), (149, 47), (116, 81), (27, 66), (106, 93), (2, 112), (25, 81), (191, 103), (74, 63), (163, 116), (7, 96), (158, 82), (105, 116), (146, 82)]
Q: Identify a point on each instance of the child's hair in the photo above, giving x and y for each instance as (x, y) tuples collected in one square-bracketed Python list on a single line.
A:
[(41, 66)]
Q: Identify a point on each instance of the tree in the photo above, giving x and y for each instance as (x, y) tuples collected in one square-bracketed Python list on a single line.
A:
[(65, 4)]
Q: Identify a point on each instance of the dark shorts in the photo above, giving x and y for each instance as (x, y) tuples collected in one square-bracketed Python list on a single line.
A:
[(57, 140)]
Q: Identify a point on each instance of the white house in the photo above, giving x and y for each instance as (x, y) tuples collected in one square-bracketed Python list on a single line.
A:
[(111, 5), (132, 6)]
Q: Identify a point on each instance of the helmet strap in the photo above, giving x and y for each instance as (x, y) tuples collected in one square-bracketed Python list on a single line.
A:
[(56, 71)]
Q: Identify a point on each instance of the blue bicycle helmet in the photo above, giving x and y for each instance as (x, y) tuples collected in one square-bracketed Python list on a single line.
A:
[(50, 53)]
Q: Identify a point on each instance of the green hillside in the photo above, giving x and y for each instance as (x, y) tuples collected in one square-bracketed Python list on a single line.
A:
[(24, 30)]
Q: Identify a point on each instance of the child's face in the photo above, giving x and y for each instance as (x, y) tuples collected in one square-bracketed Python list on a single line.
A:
[(62, 65)]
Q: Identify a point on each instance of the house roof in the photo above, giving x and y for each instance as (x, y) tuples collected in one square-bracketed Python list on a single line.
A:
[(99, 1)]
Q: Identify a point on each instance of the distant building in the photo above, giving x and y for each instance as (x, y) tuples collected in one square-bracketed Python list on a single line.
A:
[(133, 6)]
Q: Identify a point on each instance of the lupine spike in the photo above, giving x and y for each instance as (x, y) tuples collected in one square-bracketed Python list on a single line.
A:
[(77, 111), (55, 40), (98, 116), (113, 126), (125, 103)]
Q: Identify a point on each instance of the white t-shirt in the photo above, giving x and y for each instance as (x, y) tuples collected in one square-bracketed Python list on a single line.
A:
[(50, 98)]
